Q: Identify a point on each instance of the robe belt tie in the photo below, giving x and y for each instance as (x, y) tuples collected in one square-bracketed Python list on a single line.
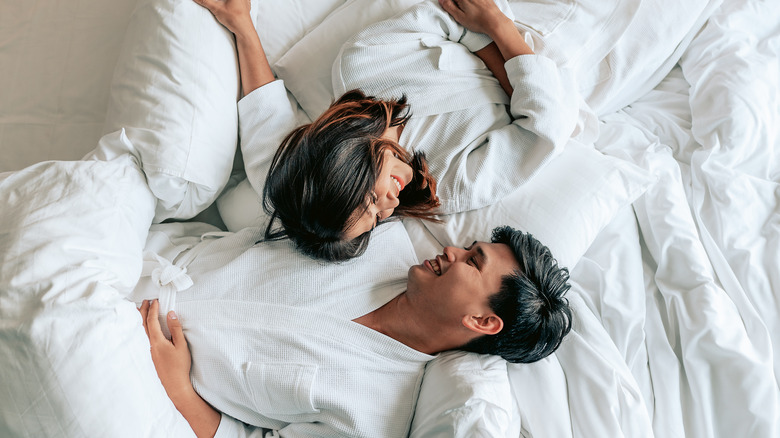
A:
[(170, 275), (172, 278)]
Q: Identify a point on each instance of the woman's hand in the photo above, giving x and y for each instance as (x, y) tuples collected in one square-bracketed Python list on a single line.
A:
[(481, 16), (171, 359), (484, 16), (252, 63), (233, 14)]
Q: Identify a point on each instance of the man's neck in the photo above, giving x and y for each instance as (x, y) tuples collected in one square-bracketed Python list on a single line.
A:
[(397, 320)]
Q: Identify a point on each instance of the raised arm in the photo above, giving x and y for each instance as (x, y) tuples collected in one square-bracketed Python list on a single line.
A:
[(494, 61), (265, 113), (252, 62)]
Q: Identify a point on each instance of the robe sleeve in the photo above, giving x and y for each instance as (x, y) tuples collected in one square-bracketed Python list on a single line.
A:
[(265, 117), (476, 151)]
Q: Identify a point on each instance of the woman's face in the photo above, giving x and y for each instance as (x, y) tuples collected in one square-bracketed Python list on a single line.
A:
[(394, 176)]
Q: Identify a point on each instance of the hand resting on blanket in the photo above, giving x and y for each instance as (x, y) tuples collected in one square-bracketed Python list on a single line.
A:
[(172, 361), (503, 297)]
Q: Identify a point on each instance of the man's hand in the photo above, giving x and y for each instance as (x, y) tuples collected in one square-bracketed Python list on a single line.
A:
[(172, 361)]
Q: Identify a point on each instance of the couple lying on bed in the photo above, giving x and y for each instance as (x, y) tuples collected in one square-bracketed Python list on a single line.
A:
[(332, 365)]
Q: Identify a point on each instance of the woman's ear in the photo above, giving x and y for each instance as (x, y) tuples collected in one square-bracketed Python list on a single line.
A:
[(489, 324)]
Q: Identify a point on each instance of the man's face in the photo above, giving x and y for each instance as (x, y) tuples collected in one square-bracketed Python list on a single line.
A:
[(459, 282)]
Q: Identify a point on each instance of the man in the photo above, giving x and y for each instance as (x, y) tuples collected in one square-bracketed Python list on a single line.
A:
[(322, 375)]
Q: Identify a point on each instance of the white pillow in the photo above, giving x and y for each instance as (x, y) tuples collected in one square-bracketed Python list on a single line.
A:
[(282, 24), (174, 90), (465, 395), (241, 207), (74, 357), (565, 205), (306, 67)]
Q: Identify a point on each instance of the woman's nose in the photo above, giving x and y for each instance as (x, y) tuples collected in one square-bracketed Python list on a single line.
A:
[(388, 202)]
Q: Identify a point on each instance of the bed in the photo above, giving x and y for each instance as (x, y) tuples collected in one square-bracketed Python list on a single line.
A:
[(669, 222)]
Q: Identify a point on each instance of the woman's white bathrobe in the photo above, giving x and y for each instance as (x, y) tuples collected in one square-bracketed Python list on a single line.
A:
[(477, 150), (480, 144), (271, 336)]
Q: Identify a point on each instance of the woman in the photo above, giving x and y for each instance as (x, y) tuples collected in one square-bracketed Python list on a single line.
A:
[(332, 181), (355, 140)]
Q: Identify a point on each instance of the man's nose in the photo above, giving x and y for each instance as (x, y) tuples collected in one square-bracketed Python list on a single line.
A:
[(452, 253)]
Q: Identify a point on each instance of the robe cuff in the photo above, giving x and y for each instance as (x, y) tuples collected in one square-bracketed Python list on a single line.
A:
[(257, 98), (474, 41), (521, 67), (229, 428)]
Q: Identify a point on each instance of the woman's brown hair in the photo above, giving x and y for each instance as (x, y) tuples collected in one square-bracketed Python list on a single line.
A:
[(326, 170)]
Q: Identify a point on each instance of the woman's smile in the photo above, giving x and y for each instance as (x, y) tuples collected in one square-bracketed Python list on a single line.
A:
[(398, 183)]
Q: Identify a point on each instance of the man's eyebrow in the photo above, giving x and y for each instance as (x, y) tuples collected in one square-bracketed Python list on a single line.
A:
[(482, 255)]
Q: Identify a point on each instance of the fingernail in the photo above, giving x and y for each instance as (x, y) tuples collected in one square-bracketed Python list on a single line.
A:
[(172, 315)]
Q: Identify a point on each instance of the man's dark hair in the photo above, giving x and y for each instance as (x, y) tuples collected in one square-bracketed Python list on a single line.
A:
[(531, 303)]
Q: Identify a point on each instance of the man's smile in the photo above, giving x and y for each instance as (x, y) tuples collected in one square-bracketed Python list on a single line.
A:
[(433, 265)]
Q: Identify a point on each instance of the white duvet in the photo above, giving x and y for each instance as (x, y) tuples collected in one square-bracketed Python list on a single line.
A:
[(709, 232), (73, 361)]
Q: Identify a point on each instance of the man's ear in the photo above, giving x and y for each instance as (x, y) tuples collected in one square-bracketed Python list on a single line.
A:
[(488, 324)]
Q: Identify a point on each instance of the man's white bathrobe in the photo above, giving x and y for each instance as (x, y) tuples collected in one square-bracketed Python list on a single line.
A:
[(271, 336)]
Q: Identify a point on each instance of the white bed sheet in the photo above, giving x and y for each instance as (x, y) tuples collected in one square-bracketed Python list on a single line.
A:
[(709, 227), (678, 328)]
